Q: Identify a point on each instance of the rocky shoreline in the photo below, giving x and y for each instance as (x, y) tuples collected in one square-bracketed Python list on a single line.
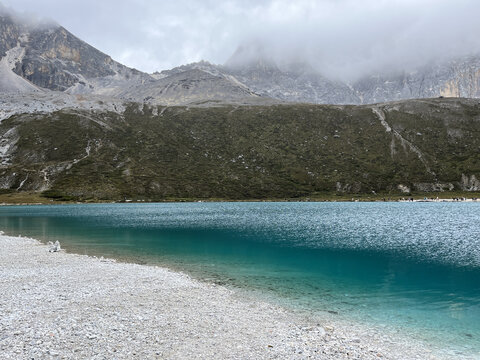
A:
[(56, 305)]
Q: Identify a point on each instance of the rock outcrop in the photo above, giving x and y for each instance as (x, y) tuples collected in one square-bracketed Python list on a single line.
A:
[(452, 78), (469, 183)]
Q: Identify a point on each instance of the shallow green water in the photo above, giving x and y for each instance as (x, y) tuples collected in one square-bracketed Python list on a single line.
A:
[(412, 267)]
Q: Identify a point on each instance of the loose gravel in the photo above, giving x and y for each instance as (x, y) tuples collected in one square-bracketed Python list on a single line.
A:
[(55, 305)]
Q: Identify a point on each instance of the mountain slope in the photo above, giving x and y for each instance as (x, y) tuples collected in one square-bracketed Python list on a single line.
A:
[(297, 83), (244, 152), (190, 86), (9, 81), (10, 31), (53, 58), (45, 56), (459, 77)]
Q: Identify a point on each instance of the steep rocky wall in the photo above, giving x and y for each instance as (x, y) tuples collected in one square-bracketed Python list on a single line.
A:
[(56, 60), (465, 84), (9, 33)]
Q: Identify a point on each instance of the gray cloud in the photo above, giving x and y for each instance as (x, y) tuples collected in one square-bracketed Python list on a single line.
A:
[(342, 38)]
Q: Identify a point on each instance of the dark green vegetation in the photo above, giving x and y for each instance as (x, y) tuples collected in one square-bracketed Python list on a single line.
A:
[(246, 152)]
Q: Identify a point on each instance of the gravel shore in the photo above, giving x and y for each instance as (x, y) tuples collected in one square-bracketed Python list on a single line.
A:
[(68, 306)]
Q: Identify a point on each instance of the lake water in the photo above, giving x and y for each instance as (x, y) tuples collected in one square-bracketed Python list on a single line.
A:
[(409, 267)]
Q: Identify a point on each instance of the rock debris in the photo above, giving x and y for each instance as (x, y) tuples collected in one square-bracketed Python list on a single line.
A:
[(66, 306)]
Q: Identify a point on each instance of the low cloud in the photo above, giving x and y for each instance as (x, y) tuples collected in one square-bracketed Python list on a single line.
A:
[(343, 39), (347, 39)]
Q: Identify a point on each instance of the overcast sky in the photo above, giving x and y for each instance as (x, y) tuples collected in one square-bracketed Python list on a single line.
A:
[(342, 38)]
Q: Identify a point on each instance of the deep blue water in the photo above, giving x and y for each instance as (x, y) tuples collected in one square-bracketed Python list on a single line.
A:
[(412, 267)]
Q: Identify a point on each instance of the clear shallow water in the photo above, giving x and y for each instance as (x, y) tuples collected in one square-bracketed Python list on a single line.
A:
[(412, 267)]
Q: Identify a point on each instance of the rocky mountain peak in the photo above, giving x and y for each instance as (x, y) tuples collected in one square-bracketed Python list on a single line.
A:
[(52, 57), (251, 55), (38, 55), (200, 65)]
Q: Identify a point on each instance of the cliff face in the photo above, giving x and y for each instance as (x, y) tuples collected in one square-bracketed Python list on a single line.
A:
[(464, 81), (9, 33), (57, 60), (53, 58), (454, 78)]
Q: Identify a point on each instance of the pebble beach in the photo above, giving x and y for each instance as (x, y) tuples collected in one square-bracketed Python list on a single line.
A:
[(58, 305)]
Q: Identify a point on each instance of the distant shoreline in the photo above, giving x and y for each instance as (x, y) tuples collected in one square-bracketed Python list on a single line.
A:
[(61, 304), (24, 198)]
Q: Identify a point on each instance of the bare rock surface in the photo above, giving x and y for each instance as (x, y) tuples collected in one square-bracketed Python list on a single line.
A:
[(51, 101), (66, 306)]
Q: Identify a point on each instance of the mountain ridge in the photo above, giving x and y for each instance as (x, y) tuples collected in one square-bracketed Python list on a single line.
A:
[(50, 57)]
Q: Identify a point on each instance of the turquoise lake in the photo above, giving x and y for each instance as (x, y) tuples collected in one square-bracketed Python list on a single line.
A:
[(409, 267)]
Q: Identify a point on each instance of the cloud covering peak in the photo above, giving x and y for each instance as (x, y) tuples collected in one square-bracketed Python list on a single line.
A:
[(341, 38)]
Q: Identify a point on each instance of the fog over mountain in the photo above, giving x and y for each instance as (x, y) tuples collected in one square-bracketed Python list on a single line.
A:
[(344, 39)]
